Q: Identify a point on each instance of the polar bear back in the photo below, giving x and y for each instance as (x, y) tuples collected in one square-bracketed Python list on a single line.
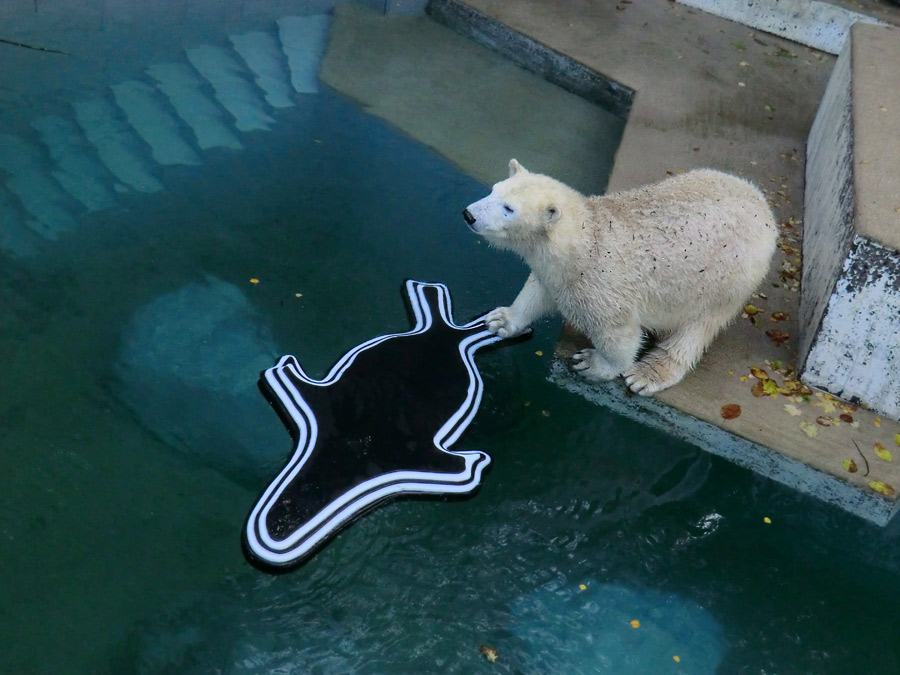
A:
[(691, 243)]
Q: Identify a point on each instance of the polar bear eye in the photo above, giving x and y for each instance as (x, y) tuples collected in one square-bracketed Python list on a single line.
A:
[(508, 208)]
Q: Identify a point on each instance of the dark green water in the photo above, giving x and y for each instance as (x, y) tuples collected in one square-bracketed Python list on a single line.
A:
[(133, 443)]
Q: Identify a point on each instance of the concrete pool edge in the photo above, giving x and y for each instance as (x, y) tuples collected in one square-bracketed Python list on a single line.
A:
[(727, 445), (792, 443)]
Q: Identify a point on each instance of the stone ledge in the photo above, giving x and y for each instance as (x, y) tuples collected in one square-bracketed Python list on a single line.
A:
[(850, 304), (532, 55)]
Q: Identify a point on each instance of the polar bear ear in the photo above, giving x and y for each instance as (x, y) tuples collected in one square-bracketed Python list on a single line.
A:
[(552, 214), (515, 167)]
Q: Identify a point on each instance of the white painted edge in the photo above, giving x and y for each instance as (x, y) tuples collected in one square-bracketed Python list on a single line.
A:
[(810, 22)]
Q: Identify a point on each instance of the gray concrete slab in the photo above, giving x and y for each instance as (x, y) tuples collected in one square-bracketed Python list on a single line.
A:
[(471, 105), (711, 92)]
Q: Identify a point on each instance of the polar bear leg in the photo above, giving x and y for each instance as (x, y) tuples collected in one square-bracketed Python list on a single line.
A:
[(666, 364), (614, 352), (531, 304)]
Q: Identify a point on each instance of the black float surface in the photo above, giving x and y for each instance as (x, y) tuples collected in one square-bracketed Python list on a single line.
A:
[(377, 427)]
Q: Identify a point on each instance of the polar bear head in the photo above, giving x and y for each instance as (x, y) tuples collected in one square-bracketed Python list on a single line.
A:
[(521, 210)]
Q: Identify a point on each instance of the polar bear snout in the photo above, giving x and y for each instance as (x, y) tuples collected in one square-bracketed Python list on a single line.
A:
[(470, 219)]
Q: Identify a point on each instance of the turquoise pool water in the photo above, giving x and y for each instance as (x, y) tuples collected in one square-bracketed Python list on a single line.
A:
[(133, 440)]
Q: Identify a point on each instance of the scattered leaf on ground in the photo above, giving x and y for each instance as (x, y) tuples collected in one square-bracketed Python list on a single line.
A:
[(846, 418), (753, 310), (539, 353), (825, 421), (676, 658), (897, 439), (730, 411), (877, 422), (779, 316), (254, 280), (792, 410), (778, 337), (850, 465), (634, 623), (883, 453), (758, 389), (767, 520), (759, 373), (809, 428), (882, 488)]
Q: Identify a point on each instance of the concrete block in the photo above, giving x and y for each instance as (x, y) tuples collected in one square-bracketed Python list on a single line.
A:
[(850, 303)]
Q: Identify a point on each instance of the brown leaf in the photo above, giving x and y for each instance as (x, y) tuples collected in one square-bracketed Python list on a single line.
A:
[(759, 373), (779, 316), (825, 421), (730, 411), (846, 418), (850, 465), (779, 337), (758, 389)]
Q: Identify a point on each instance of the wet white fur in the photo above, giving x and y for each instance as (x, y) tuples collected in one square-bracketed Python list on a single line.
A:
[(677, 259)]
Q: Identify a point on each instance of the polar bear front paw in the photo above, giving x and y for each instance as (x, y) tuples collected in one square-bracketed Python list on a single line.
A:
[(502, 322), (655, 372), (592, 365)]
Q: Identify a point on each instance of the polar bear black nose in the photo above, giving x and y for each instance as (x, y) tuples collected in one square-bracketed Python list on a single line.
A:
[(470, 219)]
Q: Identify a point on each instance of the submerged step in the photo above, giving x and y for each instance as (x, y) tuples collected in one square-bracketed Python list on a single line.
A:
[(261, 54), (15, 238), (77, 170), (181, 85), (41, 196), (116, 145), (153, 123), (233, 91), (303, 39)]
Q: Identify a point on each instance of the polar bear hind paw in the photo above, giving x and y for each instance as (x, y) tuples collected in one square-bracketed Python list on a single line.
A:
[(655, 372), (501, 322), (591, 364)]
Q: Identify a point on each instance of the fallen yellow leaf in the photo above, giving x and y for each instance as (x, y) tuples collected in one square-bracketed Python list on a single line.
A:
[(254, 281), (897, 439), (850, 466), (883, 453), (634, 623), (882, 488), (767, 520), (877, 422), (676, 659)]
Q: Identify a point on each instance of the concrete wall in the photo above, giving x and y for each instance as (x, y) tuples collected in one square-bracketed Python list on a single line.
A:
[(850, 304)]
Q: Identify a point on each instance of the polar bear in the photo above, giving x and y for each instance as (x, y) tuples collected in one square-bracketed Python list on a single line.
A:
[(676, 260)]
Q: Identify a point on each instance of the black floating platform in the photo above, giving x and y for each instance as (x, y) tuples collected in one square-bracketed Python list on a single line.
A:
[(376, 428)]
